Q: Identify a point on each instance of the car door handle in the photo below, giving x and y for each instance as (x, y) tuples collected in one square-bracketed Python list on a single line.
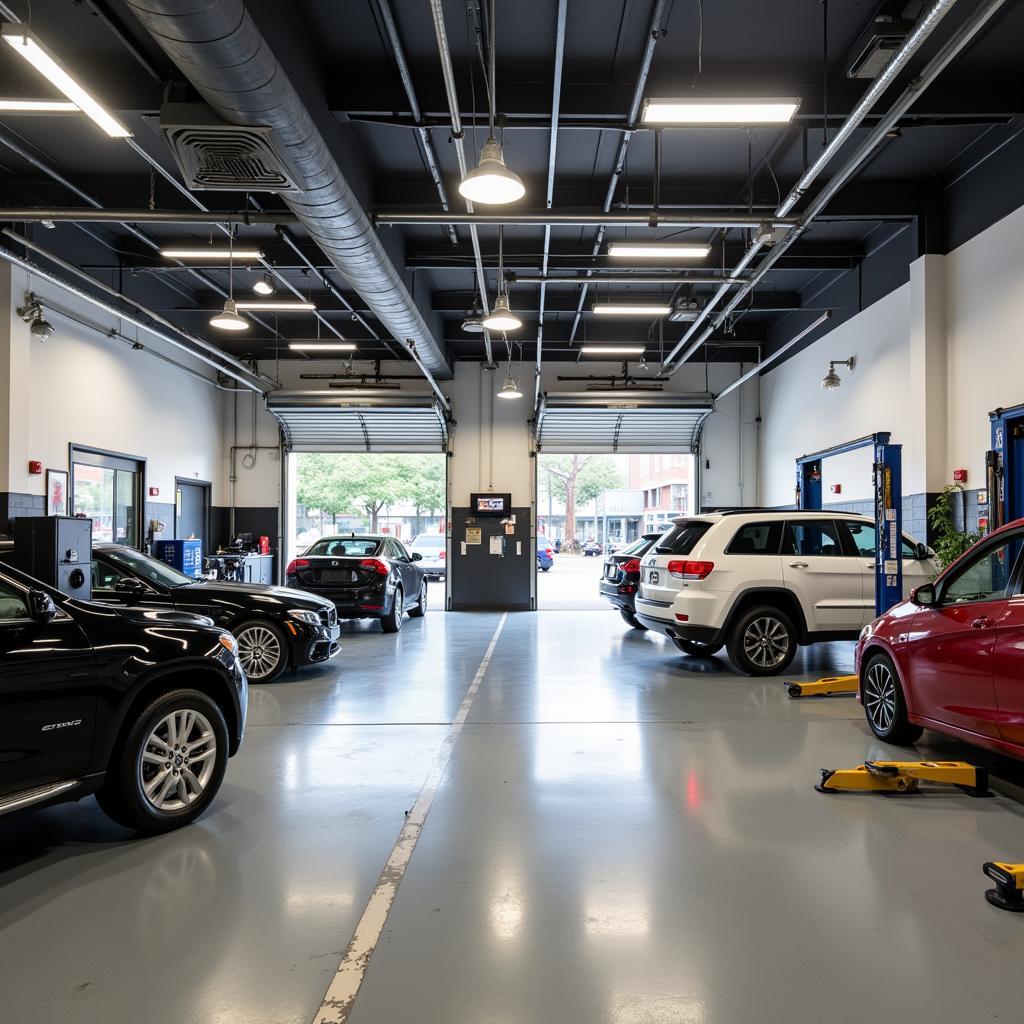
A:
[(798, 565), (871, 565), (982, 622)]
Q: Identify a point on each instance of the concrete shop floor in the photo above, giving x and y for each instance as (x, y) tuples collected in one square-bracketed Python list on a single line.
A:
[(622, 835)]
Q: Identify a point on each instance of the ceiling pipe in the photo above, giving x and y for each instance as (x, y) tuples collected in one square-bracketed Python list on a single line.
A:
[(897, 62), (429, 154), (224, 55), (194, 346), (448, 73), (86, 215), (556, 104), (644, 279), (582, 218), (654, 33)]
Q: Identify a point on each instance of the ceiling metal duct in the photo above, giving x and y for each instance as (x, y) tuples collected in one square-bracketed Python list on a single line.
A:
[(219, 49)]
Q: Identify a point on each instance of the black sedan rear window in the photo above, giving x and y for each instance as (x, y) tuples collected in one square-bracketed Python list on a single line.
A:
[(680, 540), (345, 547)]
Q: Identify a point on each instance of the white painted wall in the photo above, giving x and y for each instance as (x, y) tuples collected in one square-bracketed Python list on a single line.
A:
[(83, 388), (933, 359)]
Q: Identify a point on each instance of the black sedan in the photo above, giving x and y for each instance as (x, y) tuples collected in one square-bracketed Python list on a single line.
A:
[(367, 577), (620, 579), (139, 706), (275, 627)]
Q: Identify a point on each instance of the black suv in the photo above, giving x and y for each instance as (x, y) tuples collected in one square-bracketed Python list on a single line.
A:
[(275, 626), (141, 707)]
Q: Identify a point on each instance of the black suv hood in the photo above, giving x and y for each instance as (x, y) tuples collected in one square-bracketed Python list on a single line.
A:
[(202, 591), (143, 616)]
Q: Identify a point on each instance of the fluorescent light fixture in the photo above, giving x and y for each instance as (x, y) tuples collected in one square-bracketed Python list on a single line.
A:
[(321, 346), (228, 319), (212, 252), (38, 107), (285, 305), (658, 250), (624, 309), (687, 111), (612, 350), (25, 44), (491, 182)]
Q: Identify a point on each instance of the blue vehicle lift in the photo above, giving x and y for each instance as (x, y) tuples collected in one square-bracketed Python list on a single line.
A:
[(888, 487), (1004, 466)]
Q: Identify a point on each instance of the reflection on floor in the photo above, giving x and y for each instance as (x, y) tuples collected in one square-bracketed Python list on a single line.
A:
[(625, 835)]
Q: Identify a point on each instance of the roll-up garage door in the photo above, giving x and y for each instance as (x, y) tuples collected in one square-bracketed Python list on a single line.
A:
[(578, 423), (329, 421)]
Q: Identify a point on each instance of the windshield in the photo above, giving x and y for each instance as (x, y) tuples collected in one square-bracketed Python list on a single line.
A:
[(345, 547), (148, 568), (428, 540)]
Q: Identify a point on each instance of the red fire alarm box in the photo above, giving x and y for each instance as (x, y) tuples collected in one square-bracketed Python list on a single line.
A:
[(35, 468), (154, 492), (836, 488), (960, 476)]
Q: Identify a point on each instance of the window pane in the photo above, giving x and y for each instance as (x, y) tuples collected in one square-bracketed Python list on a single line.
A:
[(124, 508), (756, 539), (813, 538), (349, 547), (94, 499), (11, 605), (681, 539), (984, 579), (863, 535)]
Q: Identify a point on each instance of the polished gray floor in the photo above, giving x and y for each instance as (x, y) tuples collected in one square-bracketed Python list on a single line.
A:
[(624, 835)]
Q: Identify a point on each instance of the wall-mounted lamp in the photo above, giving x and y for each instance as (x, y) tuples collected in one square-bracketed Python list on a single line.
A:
[(832, 380)]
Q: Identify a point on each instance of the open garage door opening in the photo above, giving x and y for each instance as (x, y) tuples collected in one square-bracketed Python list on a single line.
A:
[(610, 471)]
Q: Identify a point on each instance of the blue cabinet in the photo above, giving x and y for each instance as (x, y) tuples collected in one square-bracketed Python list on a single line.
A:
[(184, 555)]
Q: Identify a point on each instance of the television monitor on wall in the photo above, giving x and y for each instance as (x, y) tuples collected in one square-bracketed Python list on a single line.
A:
[(490, 504)]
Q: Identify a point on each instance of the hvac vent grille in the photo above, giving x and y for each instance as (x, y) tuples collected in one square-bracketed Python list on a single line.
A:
[(228, 157)]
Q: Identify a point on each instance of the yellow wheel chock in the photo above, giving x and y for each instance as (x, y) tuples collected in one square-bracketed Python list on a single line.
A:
[(1009, 891), (904, 777), (824, 687)]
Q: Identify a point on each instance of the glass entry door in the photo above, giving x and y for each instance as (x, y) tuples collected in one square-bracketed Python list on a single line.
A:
[(107, 489)]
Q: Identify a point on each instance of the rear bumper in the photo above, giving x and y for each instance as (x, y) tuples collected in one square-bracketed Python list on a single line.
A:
[(660, 618), (613, 593)]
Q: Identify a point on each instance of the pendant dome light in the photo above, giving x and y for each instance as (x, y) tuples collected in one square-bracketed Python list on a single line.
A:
[(228, 318), (501, 317), (491, 182), (510, 389)]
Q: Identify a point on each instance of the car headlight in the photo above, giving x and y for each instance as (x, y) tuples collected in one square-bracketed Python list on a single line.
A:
[(866, 631), (305, 615), (228, 642)]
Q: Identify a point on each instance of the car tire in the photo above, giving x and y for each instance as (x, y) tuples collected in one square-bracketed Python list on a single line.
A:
[(695, 649), (147, 795), (420, 608), (762, 641), (391, 622), (629, 617), (885, 707), (262, 650), (545, 568)]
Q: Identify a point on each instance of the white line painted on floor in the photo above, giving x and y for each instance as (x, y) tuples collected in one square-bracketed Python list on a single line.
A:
[(344, 987)]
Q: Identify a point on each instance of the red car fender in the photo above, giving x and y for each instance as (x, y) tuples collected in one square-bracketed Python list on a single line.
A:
[(895, 646)]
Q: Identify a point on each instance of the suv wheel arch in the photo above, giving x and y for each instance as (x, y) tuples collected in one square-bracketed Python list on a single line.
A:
[(784, 599)]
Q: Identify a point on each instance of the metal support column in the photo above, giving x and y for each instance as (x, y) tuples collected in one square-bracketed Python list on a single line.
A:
[(888, 523)]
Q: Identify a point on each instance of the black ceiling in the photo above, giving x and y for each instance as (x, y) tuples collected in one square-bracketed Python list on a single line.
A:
[(917, 192)]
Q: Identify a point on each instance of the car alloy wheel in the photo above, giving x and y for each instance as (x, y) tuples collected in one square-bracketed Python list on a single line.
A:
[(880, 696), (766, 642), (178, 760), (259, 651)]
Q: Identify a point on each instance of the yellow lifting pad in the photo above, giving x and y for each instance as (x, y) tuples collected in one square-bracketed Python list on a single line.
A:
[(1009, 879), (824, 687), (904, 777)]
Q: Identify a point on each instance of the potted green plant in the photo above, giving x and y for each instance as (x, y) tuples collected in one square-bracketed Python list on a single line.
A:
[(948, 540)]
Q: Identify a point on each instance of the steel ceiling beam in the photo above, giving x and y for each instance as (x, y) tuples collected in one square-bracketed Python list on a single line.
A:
[(584, 218), (88, 214)]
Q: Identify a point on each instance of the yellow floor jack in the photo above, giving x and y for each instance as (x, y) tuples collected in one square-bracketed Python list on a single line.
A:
[(1009, 891), (895, 777), (824, 687)]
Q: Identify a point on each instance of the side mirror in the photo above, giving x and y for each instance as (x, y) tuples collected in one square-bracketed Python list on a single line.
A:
[(41, 606), (924, 595), (417, 557), (923, 552), (130, 587)]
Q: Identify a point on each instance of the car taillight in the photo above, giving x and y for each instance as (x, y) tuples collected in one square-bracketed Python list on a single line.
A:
[(690, 570), (630, 565), (376, 565), (294, 564), (442, 554), (547, 552)]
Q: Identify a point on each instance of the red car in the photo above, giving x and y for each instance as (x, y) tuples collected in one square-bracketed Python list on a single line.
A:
[(952, 657)]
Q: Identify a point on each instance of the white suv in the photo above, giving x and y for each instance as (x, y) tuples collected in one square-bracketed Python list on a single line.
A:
[(762, 583)]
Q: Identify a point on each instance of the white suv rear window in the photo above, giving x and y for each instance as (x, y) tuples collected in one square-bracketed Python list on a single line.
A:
[(681, 539)]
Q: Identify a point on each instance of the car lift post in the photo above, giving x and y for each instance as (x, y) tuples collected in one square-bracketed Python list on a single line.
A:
[(888, 524)]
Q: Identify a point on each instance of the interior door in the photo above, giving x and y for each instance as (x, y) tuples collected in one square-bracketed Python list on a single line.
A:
[(190, 511), (47, 695), (951, 645), (827, 583)]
